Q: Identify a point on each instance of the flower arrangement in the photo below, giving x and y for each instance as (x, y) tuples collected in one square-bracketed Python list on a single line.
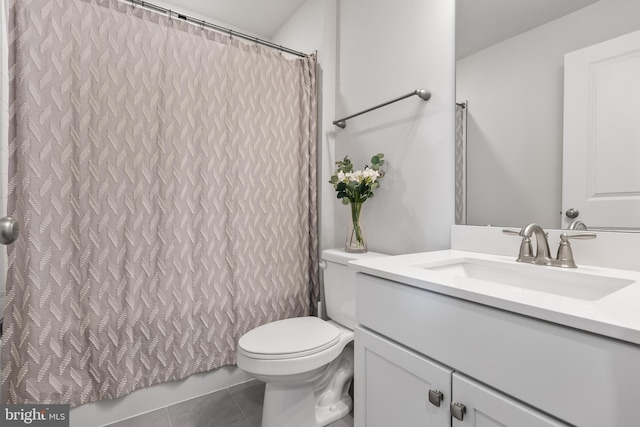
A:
[(354, 188)]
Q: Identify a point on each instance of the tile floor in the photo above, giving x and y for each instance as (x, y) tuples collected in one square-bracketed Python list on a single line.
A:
[(237, 406)]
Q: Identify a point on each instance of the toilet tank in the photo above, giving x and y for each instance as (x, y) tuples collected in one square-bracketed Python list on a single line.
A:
[(340, 285)]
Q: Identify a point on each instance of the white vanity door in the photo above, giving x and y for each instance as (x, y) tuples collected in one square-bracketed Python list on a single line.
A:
[(392, 385), (601, 142), (485, 407)]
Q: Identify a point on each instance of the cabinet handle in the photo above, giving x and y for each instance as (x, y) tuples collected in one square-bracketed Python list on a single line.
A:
[(457, 410), (435, 397)]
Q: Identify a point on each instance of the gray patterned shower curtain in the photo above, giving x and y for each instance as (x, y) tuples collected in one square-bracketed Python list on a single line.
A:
[(165, 180), (461, 165)]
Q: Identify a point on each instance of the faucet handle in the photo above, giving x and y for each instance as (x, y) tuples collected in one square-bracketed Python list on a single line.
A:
[(526, 251), (584, 236), (511, 231), (565, 253)]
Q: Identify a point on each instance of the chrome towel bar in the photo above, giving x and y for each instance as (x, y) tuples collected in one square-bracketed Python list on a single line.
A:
[(424, 94)]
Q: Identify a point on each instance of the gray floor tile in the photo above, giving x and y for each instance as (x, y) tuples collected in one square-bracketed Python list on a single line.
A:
[(346, 421), (217, 409), (158, 418), (237, 406), (249, 396), (241, 423), (256, 420)]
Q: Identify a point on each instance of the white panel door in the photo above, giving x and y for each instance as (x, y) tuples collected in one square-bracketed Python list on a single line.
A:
[(601, 145), (392, 385), (485, 407)]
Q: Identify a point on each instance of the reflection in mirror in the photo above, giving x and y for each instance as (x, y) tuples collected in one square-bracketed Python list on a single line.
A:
[(510, 71)]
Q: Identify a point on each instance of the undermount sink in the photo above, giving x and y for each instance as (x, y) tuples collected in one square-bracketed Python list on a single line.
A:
[(551, 280)]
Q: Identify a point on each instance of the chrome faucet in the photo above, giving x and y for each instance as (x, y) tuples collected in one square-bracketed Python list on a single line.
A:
[(543, 256)]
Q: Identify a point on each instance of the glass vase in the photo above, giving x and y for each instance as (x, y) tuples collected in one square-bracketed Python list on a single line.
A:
[(356, 241)]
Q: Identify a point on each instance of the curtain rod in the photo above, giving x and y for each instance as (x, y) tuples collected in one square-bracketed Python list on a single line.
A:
[(205, 24)]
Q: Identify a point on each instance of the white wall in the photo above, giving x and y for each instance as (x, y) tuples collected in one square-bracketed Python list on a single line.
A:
[(515, 94), (387, 49)]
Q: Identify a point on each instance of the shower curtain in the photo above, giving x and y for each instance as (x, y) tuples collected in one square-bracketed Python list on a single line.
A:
[(460, 167), (165, 180), (4, 121)]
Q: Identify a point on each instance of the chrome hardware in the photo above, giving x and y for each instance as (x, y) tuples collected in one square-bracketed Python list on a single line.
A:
[(572, 213), (576, 224), (564, 258), (526, 251), (565, 254), (457, 410), (322, 265), (542, 245), (423, 94), (435, 397), (511, 232), (9, 230)]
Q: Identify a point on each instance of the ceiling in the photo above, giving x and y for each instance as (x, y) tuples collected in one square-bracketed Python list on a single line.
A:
[(483, 23), (479, 23), (262, 18)]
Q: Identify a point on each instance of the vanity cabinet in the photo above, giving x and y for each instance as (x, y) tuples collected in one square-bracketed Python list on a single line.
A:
[(398, 387), (488, 408), (507, 369), (394, 384)]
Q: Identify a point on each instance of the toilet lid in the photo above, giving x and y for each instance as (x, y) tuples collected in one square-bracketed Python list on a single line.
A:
[(296, 337)]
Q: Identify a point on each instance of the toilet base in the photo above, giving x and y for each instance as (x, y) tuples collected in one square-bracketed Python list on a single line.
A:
[(318, 400), (296, 407), (325, 415), (332, 391), (286, 406)]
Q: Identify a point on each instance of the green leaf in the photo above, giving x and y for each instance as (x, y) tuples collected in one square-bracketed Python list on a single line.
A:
[(381, 163), (345, 201), (341, 186), (334, 179), (380, 155), (375, 160)]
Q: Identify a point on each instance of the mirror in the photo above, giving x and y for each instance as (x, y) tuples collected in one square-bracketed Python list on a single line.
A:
[(510, 72)]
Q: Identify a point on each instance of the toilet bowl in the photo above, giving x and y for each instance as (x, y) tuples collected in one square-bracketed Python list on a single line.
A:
[(307, 362)]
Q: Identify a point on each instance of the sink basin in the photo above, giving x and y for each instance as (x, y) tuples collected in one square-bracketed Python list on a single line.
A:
[(551, 280)]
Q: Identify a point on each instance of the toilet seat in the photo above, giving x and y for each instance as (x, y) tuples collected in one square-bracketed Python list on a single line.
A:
[(289, 338)]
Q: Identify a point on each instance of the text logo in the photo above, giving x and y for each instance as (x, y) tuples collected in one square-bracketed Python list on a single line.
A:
[(34, 415)]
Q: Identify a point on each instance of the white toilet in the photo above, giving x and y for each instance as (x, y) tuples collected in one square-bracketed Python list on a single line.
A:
[(307, 362)]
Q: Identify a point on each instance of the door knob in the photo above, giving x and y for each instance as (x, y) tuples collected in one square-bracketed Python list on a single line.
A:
[(572, 213), (9, 230)]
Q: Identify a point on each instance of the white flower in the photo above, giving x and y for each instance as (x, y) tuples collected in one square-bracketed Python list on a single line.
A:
[(371, 174), (368, 175)]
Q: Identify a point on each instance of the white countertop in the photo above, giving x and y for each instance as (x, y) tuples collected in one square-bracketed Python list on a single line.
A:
[(616, 315)]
